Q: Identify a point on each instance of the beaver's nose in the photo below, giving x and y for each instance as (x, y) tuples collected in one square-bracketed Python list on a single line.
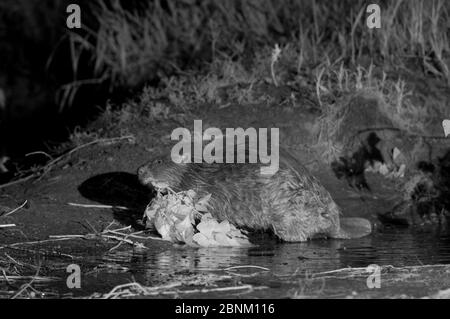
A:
[(141, 172), (143, 175)]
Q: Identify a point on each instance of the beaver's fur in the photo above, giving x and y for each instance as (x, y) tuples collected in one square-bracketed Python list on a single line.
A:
[(291, 202)]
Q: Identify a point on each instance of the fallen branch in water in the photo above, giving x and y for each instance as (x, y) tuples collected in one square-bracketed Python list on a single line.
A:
[(258, 270), (135, 289), (345, 273), (11, 276), (246, 266), (114, 234), (384, 267)]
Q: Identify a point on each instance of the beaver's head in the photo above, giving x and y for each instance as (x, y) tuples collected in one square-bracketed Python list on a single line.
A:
[(307, 221), (332, 224), (162, 172), (300, 208), (323, 221)]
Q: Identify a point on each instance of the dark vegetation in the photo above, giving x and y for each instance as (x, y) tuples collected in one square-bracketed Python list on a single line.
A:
[(125, 45)]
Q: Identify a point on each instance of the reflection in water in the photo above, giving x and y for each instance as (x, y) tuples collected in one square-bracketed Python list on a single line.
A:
[(291, 261), (392, 247)]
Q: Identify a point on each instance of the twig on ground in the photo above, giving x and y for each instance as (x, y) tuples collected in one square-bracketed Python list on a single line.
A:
[(7, 225), (28, 285), (52, 253), (16, 209), (98, 206), (18, 181), (10, 278), (50, 165), (33, 242), (40, 153)]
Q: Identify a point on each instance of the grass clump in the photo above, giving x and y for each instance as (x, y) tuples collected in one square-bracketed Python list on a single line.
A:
[(131, 47)]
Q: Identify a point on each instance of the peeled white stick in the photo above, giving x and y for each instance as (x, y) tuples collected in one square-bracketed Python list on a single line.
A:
[(446, 127), (7, 225)]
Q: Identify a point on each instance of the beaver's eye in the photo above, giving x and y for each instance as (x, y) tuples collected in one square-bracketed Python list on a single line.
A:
[(159, 161), (325, 214)]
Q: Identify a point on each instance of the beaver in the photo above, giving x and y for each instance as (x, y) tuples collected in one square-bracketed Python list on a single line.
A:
[(291, 202)]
